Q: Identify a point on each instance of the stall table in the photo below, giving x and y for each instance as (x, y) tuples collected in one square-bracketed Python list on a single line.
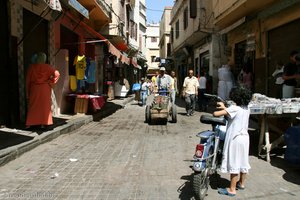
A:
[(84, 102), (264, 138)]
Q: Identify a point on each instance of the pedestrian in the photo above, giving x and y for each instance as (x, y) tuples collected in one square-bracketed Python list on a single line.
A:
[(144, 91), (235, 158), (174, 89), (246, 77), (40, 78), (190, 90), (153, 79), (163, 82), (277, 74), (289, 76), (150, 87), (202, 90), (225, 84)]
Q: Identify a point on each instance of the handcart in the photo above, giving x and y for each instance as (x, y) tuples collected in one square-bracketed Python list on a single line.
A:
[(161, 108)]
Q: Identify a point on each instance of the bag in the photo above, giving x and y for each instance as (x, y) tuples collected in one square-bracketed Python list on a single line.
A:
[(136, 87)]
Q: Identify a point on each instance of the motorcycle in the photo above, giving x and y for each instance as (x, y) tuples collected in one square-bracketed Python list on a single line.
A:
[(208, 152)]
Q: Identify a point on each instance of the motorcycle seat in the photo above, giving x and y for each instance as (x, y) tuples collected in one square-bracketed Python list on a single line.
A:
[(209, 119)]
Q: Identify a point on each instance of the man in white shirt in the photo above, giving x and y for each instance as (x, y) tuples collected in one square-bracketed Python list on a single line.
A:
[(163, 82), (190, 90)]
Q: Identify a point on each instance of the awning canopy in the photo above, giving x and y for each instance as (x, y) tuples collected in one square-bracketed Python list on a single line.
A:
[(111, 48), (119, 42), (54, 4)]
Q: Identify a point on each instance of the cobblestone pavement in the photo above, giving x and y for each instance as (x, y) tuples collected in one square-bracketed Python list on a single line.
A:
[(123, 158)]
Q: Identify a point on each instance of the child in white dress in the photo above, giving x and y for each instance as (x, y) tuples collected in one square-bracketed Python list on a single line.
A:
[(236, 146)]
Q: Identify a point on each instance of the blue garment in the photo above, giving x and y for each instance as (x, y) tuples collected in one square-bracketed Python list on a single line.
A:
[(91, 72), (144, 97), (136, 87)]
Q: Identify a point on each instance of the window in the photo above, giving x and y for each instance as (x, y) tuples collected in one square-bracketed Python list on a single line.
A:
[(153, 58), (133, 30), (177, 29), (193, 8), (169, 50), (172, 34), (185, 18), (153, 39)]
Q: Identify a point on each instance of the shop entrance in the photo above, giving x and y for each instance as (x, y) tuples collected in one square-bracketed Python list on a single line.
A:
[(35, 34), (69, 41), (5, 69), (280, 47)]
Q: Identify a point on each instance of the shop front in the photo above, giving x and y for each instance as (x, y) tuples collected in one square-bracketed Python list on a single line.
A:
[(9, 112)]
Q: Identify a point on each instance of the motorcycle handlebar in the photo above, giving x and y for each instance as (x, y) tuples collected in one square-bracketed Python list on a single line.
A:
[(215, 98)]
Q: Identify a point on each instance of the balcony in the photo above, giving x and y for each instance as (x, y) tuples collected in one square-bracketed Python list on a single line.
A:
[(99, 12), (229, 11)]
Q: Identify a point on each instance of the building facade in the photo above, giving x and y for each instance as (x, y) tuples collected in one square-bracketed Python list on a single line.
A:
[(152, 45), (194, 42), (62, 29), (258, 34)]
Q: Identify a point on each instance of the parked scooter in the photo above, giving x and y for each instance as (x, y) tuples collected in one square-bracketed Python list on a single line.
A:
[(208, 153)]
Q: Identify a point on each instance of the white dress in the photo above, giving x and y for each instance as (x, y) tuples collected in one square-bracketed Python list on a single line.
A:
[(236, 146), (225, 82)]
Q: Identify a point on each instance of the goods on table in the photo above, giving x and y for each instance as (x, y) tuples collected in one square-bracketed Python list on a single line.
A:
[(261, 104)]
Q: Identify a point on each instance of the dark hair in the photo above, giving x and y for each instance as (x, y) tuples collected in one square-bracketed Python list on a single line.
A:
[(241, 96), (294, 52)]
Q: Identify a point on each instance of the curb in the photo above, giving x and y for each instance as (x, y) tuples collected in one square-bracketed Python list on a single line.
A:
[(13, 152)]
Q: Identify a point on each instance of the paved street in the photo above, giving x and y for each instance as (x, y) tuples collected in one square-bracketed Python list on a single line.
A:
[(123, 158)]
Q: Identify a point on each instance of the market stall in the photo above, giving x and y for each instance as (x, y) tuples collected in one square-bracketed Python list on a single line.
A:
[(84, 103), (268, 108)]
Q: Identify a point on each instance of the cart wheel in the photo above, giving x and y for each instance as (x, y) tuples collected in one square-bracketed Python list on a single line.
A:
[(148, 114), (174, 114)]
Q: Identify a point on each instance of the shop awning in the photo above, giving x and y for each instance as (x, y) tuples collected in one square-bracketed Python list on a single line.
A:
[(54, 4), (111, 48), (119, 42)]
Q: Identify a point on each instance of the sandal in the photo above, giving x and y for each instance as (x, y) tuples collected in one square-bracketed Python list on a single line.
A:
[(224, 191), (239, 187)]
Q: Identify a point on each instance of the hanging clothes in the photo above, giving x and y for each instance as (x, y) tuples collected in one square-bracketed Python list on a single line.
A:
[(80, 66)]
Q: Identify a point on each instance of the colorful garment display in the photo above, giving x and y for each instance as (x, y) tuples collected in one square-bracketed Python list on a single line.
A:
[(80, 66)]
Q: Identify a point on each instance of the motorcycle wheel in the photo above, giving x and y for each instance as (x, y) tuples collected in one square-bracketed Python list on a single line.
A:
[(200, 184)]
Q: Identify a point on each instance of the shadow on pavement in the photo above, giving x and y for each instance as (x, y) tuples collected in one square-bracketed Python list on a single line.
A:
[(292, 172), (186, 189), (108, 109), (8, 139)]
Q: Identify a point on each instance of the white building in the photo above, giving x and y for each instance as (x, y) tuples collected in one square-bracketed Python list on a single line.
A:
[(152, 45)]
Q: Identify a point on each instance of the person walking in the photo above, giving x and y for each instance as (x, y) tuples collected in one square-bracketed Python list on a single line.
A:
[(190, 90), (144, 91), (173, 87), (235, 158), (40, 78), (201, 92)]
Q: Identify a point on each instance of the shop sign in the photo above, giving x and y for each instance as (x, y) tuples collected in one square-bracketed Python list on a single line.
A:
[(77, 6)]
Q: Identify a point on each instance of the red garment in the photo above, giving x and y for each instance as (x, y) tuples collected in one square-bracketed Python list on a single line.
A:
[(40, 79)]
